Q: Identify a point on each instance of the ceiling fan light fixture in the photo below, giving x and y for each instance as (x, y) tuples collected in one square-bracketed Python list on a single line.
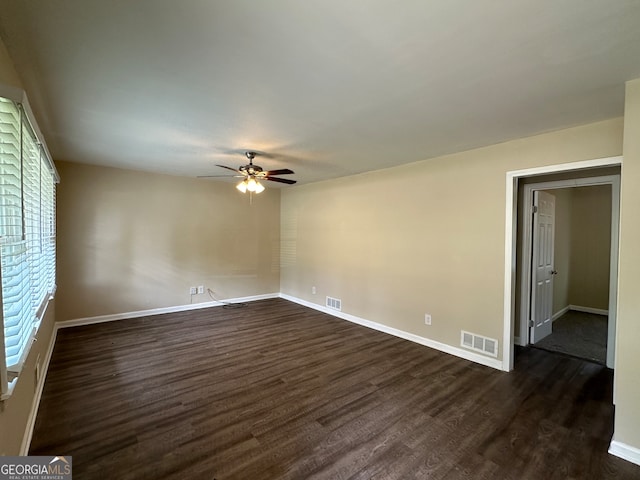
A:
[(242, 186), (250, 185)]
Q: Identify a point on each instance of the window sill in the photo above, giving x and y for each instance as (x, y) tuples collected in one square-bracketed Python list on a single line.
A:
[(10, 387), (13, 372)]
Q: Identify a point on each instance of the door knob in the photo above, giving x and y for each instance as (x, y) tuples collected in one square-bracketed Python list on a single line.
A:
[(554, 272)]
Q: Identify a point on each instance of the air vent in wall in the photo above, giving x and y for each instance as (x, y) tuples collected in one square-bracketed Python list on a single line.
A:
[(488, 346), (334, 303)]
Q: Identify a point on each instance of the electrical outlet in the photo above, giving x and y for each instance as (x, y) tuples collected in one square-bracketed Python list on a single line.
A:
[(201, 289), (427, 319), (193, 291), (313, 290)]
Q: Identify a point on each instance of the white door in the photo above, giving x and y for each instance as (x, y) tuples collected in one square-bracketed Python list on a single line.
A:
[(542, 265)]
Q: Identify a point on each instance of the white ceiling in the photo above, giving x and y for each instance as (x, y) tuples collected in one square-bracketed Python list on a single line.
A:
[(325, 87)]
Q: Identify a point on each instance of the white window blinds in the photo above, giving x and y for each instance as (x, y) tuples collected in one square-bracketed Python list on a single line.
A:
[(27, 236)]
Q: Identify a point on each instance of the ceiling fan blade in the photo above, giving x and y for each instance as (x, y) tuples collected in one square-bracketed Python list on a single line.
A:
[(229, 168), (282, 171), (280, 180), (220, 176)]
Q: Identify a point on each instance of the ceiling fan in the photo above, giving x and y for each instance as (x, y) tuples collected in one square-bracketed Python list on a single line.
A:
[(253, 174)]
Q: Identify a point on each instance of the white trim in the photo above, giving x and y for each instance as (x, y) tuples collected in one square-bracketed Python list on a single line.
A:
[(35, 405), (510, 267), (510, 239), (624, 451), (458, 352), (613, 277), (558, 314), (443, 347), (597, 311), (577, 308), (567, 167), (159, 311)]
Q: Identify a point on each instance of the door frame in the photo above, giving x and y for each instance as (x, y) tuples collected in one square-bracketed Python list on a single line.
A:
[(527, 243), (512, 269)]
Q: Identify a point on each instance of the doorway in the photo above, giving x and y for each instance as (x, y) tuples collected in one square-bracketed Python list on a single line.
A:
[(521, 186), (576, 307)]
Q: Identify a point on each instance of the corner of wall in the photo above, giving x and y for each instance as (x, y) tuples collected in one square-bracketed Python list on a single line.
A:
[(8, 74)]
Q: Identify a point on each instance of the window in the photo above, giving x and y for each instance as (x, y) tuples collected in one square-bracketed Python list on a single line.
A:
[(27, 237)]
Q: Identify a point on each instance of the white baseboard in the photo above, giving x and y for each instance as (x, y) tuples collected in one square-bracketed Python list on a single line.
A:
[(31, 420), (597, 311), (443, 347), (458, 352), (159, 311), (559, 313), (624, 451), (578, 308)]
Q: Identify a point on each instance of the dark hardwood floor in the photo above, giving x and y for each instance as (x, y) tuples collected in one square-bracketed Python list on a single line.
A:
[(278, 391)]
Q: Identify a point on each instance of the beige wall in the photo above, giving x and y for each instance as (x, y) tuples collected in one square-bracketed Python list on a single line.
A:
[(582, 247), (422, 238), (130, 241), (590, 247), (562, 246), (8, 74), (627, 377), (14, 412)]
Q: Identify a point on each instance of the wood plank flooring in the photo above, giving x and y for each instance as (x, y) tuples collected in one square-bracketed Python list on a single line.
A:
[(279, 391)]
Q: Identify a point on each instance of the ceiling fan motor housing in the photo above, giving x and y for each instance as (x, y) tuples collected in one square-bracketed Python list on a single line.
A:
[(250, 169)]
